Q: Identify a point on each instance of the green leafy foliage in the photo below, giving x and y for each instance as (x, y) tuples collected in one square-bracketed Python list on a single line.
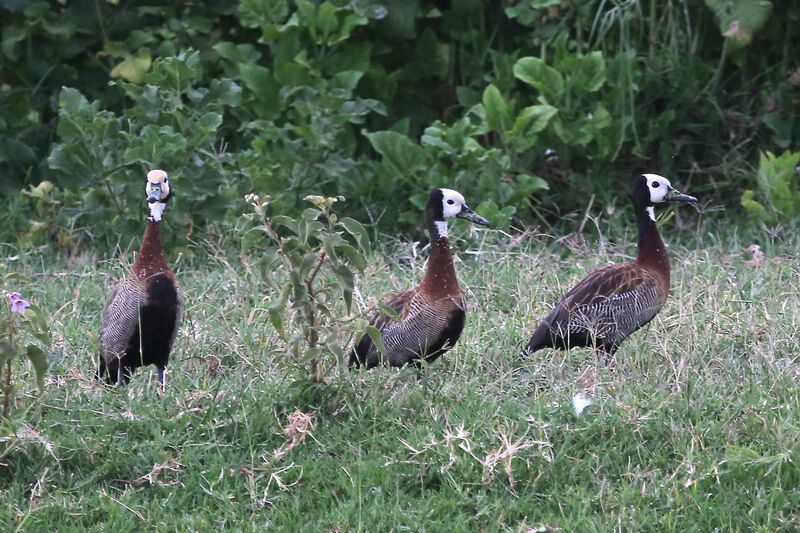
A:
[(777, 187), (523, 105), (574, 120), (310, 264), (175, 125), (536, 73)]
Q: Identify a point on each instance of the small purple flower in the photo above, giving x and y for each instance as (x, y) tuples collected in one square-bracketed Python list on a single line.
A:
[(19, 306), (15, 296)]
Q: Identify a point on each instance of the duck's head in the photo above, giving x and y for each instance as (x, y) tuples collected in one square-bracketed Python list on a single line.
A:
[(651, 189), (158, 192), (157, 188), (444, 204)]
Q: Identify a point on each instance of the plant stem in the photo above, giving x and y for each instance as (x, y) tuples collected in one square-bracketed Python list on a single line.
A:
[(7, 389), (316, 368), (712, 83)]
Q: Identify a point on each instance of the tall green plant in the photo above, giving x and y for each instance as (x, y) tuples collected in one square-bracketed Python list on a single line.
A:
[(25, 332), (310, 263), (294, 97)]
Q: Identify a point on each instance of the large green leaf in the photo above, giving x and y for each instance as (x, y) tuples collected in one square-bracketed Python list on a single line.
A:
[(357, 230), (586, 73), (74, 112), (377, 339), (326, 21), (346, 283), (776, 180), (263, 13), (781, 128), (401, 155), (754, 208), (740, 19), (223, 92), (38, 360), (154, 144), (498, 218), (526, 186), (133, 66), (498, 115), (263, 89), (533, 119), (349, 23), (177, 73), (538, 74)]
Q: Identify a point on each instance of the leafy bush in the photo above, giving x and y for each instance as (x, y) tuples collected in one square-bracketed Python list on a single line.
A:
[(521, 104), (777, 187), (174, 124), (309, 263)]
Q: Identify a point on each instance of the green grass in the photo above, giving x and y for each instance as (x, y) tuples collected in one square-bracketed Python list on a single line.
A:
[(694, 430)]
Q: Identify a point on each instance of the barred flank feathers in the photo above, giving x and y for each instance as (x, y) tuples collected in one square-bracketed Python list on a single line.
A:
[(608, 317), (120, 319), (425, 329), (120, 329)]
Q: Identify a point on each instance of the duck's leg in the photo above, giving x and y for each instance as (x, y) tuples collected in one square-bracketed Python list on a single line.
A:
[(101, 369), (120, 374), (605, 353), (124, 375)]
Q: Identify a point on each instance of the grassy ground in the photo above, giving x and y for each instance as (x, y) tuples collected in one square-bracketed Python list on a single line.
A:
[(695, 430)]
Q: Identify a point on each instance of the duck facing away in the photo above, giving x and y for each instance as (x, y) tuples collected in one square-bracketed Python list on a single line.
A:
[(605, 308), (432, 314), (142, 317)]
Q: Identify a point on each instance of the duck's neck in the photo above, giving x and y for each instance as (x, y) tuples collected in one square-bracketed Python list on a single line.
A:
[(152, 259), (440, 278), (652, 251)]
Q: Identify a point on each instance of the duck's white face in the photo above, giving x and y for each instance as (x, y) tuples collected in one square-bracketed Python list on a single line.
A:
[(452, 203), (658, 186), (157, 190), (157, 180), (660, 190)]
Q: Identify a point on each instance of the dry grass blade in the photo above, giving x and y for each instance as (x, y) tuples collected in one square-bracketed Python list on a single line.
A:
[(172, 464), (296, 430)]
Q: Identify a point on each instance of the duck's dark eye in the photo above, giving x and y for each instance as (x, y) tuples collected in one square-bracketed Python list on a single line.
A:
[(450, 202), (656, 185)]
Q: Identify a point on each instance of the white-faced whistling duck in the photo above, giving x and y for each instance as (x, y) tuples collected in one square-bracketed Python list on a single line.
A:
[(431, 315), (142, 317), (611, 303)]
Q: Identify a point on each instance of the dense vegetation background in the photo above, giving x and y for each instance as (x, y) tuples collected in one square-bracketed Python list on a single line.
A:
[(528, 107)]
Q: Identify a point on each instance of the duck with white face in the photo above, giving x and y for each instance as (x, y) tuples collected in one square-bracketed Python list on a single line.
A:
[(432, 315), (611, 303), (142, 317), (444, 205)]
